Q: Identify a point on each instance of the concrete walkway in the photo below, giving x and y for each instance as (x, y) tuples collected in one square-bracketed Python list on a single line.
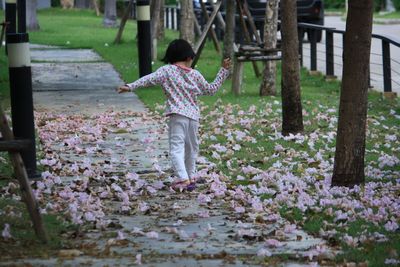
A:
[(79, 83)]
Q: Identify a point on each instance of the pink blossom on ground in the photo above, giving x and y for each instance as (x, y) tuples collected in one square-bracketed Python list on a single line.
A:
[(6, 233)]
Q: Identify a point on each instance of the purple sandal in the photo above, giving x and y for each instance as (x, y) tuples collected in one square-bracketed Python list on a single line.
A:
[(183, 186)]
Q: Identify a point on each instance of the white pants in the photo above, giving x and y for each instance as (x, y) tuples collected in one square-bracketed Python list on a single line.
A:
[(183, 145)]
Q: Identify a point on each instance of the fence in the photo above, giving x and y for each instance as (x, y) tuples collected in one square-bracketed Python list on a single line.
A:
[(171, 17), (384, 69)]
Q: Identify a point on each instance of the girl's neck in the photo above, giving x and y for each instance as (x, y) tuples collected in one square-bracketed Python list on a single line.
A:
[(184, 65)]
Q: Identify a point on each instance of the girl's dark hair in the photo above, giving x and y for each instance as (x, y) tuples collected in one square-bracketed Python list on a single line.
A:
[(178, 50)]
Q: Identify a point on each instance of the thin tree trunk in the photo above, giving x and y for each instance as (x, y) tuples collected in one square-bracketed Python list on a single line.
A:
[(32, 23), (155, 24), (229, 36), (350, 142), (292, 117), (212, 32), (123, 22), (161, 25), (186, 23), (110, 13), (268, 84), (96, 7)]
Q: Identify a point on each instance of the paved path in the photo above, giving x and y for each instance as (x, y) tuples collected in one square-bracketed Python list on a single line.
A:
[(77, 84)]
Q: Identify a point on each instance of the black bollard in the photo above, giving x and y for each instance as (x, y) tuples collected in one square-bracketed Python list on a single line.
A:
[(144, 36), (20, 75), (11, 17), (21, 16)]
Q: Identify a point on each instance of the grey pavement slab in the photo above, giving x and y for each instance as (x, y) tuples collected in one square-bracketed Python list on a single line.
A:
[(86, 101), (64, 55), (74, 76)]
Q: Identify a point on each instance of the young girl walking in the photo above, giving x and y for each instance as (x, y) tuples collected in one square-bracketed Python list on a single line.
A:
[(182, 85)]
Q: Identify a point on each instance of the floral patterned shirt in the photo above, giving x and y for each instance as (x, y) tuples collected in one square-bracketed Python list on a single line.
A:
[(181, 86)]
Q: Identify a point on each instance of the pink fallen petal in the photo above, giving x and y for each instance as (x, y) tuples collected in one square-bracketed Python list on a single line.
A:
[(6, 234)]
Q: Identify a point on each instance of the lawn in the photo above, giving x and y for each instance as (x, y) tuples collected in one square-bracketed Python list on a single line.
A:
[(294, 171), (391, 15)]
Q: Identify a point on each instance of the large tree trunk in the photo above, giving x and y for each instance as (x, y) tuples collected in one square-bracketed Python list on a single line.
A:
[(229, 37), (268, 84), (350, 142), (110, 13), (292, 117), (32, 23), (187, 21), (155, 24)]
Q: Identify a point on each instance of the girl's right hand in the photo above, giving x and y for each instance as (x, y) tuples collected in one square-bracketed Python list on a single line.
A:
[(123, 89)]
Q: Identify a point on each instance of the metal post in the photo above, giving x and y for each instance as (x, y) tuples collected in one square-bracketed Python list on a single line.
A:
[(330, 63), (313, 49), (173, 13), (21, 96), (21, 16), (300, 32), (144, 37), (167, 17), (178, 19), (11, 18), (387, 76)]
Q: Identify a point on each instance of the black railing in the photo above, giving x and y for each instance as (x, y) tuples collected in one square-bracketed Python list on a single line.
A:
[(329, 55), (171, 17), (386, 69)]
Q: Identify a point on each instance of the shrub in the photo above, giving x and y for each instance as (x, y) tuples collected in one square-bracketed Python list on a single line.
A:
[(335, 4), (396, 4)]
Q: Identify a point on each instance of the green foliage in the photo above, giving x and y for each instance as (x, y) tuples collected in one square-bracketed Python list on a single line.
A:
[(171, 2), (335, 4), (396, 4), (4, 85), (55, 3), (379, 5)]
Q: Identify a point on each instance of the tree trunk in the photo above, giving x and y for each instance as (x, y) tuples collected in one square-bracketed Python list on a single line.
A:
[(350, 142), (155, 24), (110, 13), (32, 23), (161, 30), (187, 24), (96, 7), (292, 117), (268, 84), (124, 18)]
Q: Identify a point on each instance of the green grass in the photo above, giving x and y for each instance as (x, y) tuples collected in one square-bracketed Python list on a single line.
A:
[(391, 15), (21, 230), (82, 29)]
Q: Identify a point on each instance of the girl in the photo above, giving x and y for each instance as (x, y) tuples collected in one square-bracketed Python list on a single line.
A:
[(182, 85)]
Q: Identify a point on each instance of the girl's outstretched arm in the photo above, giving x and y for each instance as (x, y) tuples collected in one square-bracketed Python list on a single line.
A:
[(211, 88), (155, 78)]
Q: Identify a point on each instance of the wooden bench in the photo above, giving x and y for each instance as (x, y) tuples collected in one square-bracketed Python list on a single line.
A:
[(250, 53)]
